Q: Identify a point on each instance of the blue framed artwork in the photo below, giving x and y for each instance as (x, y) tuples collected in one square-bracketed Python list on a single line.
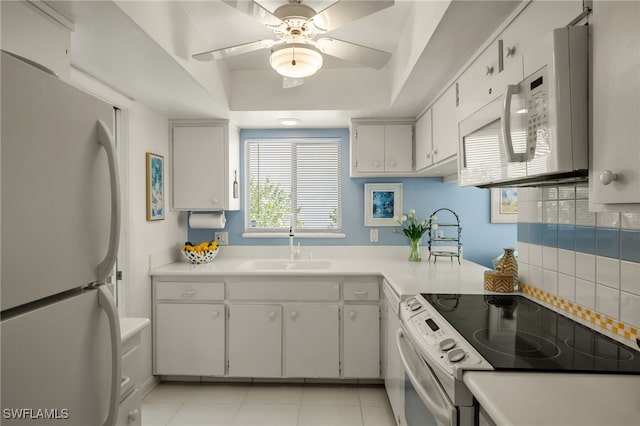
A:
[(382, 202), (155, 187)]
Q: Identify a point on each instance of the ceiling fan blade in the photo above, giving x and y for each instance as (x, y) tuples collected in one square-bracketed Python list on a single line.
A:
[(253, 9), (345, 11), (351, 52), (235, 50)]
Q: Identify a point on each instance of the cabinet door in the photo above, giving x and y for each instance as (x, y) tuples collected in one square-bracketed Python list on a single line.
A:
[(369, 152), (398, 148), (423, 141), (311, 340), (190, 339), (255, 340), (445, 126), (198, 167), (394, 371), (616, 102), (361, 341)]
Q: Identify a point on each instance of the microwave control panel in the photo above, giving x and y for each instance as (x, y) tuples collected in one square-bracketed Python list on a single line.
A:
[(537, 111)]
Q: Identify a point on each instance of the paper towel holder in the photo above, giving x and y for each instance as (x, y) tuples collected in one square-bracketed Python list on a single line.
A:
[(207, 220)]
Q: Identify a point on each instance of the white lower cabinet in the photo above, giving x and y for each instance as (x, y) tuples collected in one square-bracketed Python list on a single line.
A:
[(267, 327), (312, 339), (190, 339), (255, 340), (130, 412), (361, 325)]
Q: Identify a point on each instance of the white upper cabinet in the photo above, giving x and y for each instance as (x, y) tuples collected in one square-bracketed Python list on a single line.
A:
[(205, 165), (614, 181), (437, 136), (445, 126), (424, 141), (381, 148)]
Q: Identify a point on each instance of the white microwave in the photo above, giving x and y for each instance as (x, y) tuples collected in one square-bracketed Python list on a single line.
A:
[(536, 131)]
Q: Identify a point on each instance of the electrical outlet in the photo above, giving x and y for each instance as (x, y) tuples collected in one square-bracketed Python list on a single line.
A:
[(373, 235), (222, 238)]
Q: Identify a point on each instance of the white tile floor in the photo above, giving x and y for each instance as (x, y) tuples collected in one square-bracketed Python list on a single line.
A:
[(198, 404)]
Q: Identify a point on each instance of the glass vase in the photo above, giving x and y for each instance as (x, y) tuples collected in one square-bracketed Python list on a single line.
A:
[(414, 253)]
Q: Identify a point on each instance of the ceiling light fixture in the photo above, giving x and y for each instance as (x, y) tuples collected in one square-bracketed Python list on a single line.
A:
[(296, 60), (289, 121)]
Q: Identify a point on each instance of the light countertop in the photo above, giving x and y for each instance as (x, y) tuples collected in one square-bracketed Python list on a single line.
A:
[(406, 278), (129, 327), (547, 399)]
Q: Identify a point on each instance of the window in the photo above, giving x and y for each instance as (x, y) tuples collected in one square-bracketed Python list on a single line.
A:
[(294, 182)]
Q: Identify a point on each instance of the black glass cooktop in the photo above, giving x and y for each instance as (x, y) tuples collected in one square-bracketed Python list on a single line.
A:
[(514, 333)]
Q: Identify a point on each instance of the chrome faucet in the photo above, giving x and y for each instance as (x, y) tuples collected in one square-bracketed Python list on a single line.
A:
[(293, 251)]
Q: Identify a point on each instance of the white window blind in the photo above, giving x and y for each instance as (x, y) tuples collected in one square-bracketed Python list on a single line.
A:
[(294, 182), (484, 151)]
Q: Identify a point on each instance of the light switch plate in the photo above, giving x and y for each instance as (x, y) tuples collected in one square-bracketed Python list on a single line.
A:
[(222, 238)]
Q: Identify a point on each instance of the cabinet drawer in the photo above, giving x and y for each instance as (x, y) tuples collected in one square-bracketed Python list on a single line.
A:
[(129, 411), (130, 368), (287, 290), (361, 291), (189, 291)]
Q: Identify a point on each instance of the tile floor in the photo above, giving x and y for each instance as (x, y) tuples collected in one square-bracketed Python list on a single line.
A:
[(183, 404)]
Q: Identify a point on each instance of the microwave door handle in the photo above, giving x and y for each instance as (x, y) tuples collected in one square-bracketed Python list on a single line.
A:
[(441, 414), (512, 156)]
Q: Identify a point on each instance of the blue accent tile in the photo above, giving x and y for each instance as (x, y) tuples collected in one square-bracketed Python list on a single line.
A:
[(630, 245), (566, 237), (608, 242), (523, 232), (550, 235), (535, 233), (585, 238)]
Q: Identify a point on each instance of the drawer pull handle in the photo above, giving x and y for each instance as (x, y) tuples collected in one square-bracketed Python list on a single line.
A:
[(215, 314), (352, 315), (133, 415), (272, 315), (294, 315), (189, 293), (361, 293)]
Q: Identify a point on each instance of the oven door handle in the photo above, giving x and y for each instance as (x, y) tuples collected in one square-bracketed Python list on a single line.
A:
[(444, 415)]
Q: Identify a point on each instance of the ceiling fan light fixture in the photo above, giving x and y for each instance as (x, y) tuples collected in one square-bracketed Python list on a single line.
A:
[(296, 60)]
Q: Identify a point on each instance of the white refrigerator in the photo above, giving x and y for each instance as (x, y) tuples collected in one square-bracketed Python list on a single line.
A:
[(60, 203)]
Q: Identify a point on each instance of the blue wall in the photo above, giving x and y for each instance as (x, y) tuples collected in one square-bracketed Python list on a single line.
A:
[(481, 240)]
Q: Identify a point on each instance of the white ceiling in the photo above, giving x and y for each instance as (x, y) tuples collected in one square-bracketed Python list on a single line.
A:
[(144, 49)]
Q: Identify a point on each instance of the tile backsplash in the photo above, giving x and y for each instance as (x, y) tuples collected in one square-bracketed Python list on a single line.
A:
[(590, 259)]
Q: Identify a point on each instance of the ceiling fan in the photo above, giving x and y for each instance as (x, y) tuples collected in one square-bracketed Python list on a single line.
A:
[(296, 53)]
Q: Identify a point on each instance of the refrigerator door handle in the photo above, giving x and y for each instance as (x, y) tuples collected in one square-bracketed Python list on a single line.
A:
[(106, 140), (106, 302)]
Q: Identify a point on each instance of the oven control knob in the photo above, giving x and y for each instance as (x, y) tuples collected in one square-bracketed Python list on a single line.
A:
[(414, 305), (447, 344), (456, 355)]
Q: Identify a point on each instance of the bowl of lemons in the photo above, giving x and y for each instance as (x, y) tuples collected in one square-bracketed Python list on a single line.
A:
[(204, 252)]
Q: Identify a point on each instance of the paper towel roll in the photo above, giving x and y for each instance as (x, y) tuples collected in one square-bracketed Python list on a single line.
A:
[(207, 220)]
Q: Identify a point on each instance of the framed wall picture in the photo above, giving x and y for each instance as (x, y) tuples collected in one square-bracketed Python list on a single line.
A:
[(504, 205), (155, 187), (382, 201)]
